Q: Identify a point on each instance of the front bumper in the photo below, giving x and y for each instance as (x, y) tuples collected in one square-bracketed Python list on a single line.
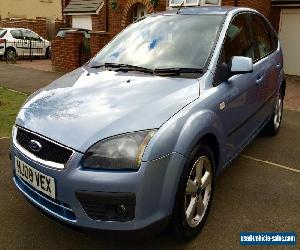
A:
[(154, 188)]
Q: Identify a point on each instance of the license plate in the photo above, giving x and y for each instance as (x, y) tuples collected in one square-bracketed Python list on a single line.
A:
[(35, 178)]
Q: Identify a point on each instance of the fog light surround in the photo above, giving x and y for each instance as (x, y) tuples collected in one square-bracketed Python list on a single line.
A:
[(108, 206)]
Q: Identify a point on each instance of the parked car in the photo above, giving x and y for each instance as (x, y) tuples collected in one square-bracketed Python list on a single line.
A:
[(137, 136), (22, 42), (63, 31)]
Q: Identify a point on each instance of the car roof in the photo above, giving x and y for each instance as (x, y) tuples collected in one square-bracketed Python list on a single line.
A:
[(13, 29), (210, 10)]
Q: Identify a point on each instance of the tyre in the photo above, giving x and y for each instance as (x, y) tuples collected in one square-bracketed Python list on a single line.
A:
[(273, 126), (11, 54), (194, 194), (48, 53)]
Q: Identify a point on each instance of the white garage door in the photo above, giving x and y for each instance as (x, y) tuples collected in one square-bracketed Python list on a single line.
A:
[(82, 22), (289, 34)]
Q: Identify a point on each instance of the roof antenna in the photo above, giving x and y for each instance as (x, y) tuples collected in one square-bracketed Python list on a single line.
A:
[(180, 7)]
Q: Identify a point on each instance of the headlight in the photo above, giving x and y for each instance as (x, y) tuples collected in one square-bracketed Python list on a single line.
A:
[(118, 152)]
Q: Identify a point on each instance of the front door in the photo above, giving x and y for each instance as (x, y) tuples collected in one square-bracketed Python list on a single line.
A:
[(237, 97), (18, 41)]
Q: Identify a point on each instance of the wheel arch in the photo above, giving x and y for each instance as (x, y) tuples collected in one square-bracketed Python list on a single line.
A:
[(182, 135), (212, 142), (11, 47), (283, 86)]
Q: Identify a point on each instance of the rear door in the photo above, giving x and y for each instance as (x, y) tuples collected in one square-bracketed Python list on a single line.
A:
[(35, 45), (269, 59)]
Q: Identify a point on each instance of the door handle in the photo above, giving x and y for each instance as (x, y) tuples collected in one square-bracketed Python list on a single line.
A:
[(259, 79), (278, 66)]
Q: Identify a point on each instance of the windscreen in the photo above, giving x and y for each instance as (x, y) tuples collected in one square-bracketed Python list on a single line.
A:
[(165, 41), (2, 33)]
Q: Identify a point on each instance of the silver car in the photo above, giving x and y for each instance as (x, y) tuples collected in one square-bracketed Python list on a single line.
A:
[(136, 138)]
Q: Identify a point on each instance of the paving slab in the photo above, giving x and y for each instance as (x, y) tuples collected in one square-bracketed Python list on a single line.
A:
[(23, 79), (39, 64), (282, 149), (250, 196)]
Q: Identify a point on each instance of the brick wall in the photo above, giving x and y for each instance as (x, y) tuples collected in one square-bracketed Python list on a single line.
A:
[(99, 21), (275, 17), (263, 6), (38, 25), (65, 52), (98, 40), (228, 2), (59, 24)]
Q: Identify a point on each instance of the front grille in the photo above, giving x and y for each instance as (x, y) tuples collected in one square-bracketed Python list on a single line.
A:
[(49, 151)]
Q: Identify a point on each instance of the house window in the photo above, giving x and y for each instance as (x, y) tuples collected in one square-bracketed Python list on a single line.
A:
[(191, 2), (82, 22), (176, 3), (212, 2)]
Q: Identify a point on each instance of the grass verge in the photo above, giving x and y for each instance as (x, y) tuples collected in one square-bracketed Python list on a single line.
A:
[(10, 103)]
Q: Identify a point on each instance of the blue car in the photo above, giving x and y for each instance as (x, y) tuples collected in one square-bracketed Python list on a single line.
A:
[(135, 138)]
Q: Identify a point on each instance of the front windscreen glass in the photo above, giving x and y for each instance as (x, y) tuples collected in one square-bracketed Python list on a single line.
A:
[(2, 33), (165, 41)]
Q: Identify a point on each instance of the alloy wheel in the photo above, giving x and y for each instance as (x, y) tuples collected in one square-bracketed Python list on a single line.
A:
[(198, 190), (278, 111), (11, 55)]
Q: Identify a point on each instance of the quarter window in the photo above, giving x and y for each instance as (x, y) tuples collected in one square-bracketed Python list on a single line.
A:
[(238, 41), (262, 37)]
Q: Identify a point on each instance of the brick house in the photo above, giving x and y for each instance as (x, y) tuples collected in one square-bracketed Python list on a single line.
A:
[(285, 18), (38, 15), (106, 18)]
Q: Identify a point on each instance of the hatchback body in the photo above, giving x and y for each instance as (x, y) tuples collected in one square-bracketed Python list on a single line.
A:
[(138, 135), (22, 42)]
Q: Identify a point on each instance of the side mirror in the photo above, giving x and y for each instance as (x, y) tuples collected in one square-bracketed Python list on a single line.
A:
[(240, 65)]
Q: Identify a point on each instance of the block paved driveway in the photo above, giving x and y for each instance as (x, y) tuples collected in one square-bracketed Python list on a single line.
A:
[(260, 191)]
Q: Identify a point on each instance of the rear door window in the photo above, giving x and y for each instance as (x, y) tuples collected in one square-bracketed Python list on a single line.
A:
[(274, 38), (262, 37), (17, 34), (2, 33)]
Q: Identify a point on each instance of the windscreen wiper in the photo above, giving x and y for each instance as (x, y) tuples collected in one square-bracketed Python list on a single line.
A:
[(177, 71), (124, 67)]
